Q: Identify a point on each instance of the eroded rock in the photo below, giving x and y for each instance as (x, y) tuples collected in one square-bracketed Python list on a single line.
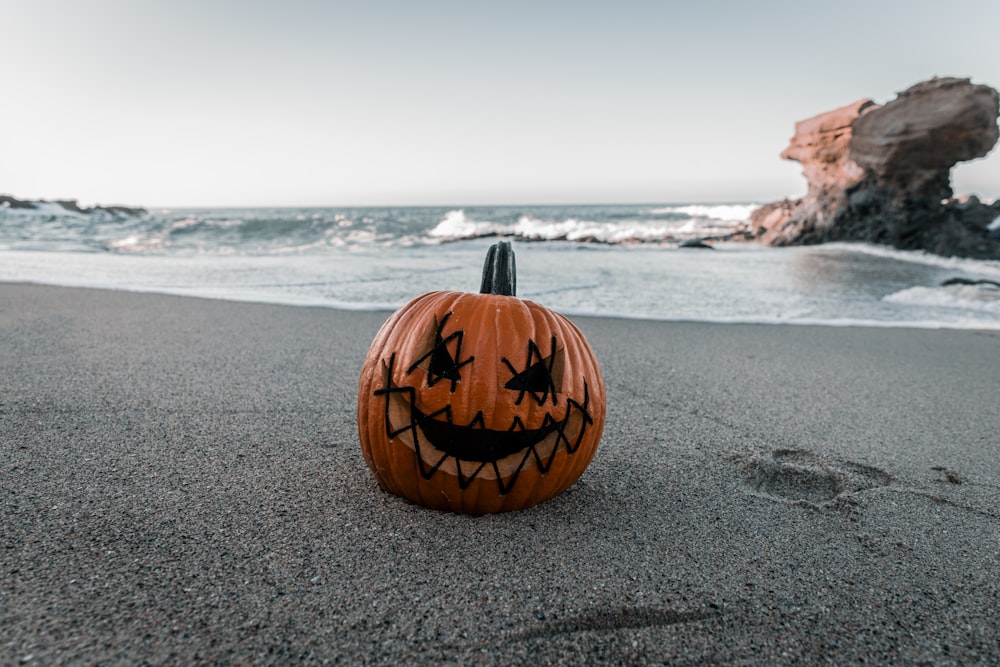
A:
[(912, 143), (881, 174)]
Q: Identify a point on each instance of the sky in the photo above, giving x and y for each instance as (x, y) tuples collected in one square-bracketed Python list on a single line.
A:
[(379, 103)]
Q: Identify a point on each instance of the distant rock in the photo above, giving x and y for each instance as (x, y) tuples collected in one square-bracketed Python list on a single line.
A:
[(71, 205), (6, 201), (696, 243), (969, 281), (881, 174)]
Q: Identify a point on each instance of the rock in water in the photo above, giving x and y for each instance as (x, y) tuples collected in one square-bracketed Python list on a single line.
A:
[(72, 206), (881, 174)]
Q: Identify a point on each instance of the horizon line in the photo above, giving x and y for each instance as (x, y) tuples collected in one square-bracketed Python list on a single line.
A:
[(454, 205)]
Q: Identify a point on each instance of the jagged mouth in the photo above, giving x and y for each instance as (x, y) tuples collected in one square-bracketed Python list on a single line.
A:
[(478, 443), (472, 450)]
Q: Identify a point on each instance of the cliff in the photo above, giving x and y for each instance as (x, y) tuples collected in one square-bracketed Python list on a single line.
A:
[(881, 174)]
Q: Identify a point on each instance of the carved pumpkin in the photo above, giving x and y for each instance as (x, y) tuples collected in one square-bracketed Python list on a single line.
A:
[(479, 403)]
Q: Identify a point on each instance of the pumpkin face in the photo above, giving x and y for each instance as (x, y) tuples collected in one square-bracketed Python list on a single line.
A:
[(479, 402)]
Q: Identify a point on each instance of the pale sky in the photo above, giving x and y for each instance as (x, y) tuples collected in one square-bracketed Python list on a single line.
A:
[(424, 102)]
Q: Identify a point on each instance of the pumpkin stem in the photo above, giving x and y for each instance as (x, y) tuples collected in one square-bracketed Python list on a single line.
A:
[(499, 274)]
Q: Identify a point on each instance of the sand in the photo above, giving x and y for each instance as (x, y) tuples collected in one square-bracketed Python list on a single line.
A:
[(182, 483)]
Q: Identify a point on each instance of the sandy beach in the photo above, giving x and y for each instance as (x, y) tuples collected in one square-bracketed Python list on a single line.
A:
[(183, 484)]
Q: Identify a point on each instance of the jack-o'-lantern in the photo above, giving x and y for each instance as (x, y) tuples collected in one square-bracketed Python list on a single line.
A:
[(479, 403)]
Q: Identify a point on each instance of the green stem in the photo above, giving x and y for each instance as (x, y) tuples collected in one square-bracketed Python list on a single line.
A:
[(499, 274)]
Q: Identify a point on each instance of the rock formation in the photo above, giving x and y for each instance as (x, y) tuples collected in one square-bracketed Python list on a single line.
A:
[(6, 201), (71, 205), (881, 174)]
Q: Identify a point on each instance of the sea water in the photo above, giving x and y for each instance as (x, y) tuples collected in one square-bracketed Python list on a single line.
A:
[(624, 260)]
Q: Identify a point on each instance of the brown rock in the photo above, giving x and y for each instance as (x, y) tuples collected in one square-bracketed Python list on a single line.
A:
[(882, 173), (820, 144), (912, 143)]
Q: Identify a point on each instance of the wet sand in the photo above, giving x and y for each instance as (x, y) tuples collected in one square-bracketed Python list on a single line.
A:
[(182, 484)]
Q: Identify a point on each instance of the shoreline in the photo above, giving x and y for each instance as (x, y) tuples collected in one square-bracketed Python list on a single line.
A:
[(184, 484), (386, 310)]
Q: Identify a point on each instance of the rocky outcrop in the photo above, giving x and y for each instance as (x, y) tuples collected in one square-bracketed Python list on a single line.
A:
[(911, 143), (881, 174), (6, 201), (71, 205)]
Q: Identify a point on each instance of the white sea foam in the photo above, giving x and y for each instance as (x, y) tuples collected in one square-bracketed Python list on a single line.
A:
[(604, 260), (986, 267), (226, 223), (137, 243), (572, 229), (456, 225), (725, 212), (985, 298), (737, 283), (183, 223)]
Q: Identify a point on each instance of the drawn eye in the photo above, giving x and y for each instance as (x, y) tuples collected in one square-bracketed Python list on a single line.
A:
[(536, 379), (443, 358), (539, 377), (442, 366)]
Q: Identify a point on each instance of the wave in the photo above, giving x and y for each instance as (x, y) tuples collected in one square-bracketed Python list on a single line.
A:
[(247, 234), (722, 212), (986, 267), (457, 226), (277, 231), (981, 298)]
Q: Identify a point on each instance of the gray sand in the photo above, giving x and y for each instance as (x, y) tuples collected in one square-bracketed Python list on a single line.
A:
[(182, 483)]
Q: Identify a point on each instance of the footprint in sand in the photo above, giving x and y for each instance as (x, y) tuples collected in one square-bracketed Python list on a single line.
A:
[(948, 475), (802, 476)]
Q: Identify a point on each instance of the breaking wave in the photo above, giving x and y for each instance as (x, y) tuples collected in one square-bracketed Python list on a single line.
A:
[(276, 231), (983, 297), (673, 224), (975, 266)]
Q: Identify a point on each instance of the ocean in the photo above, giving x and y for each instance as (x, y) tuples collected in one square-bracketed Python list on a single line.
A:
[(622, 261)]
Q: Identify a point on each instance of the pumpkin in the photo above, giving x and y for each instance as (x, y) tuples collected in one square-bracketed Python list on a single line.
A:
[(479, 403)]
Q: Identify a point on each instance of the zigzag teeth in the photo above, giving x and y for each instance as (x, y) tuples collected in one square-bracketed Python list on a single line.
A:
[(471, 469), (472, 424), (468, 470)]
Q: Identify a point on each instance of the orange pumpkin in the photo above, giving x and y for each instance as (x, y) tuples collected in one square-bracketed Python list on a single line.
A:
[(482, 402)]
